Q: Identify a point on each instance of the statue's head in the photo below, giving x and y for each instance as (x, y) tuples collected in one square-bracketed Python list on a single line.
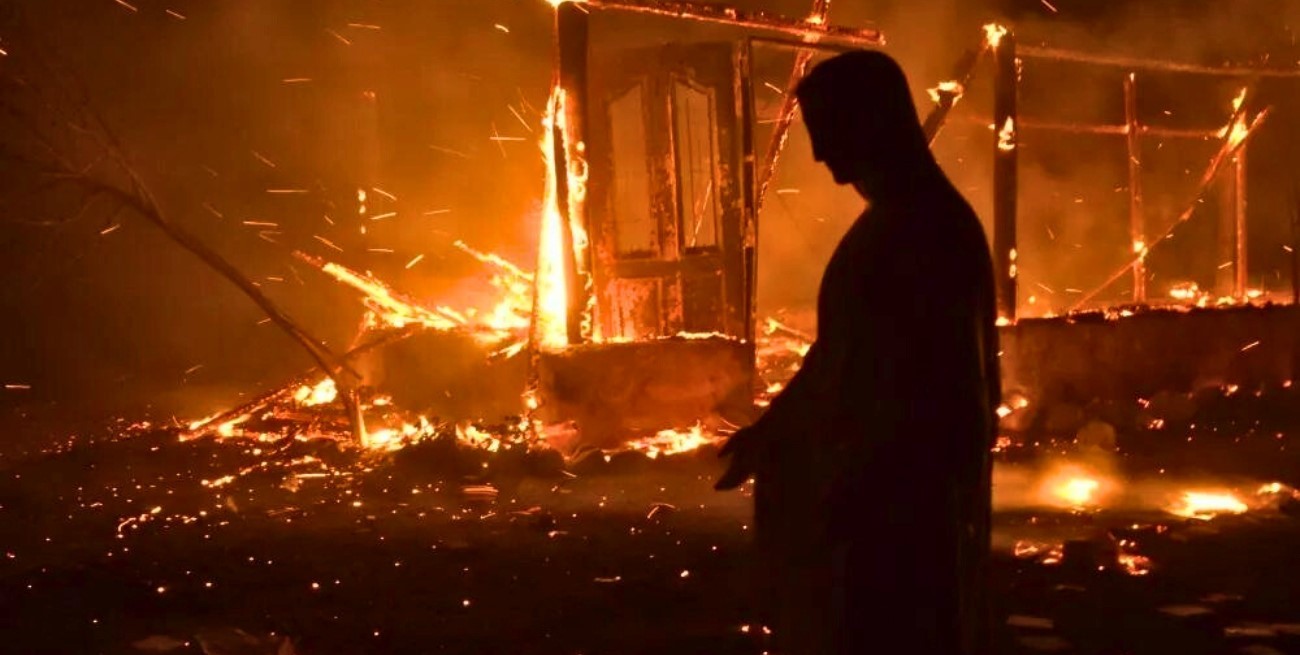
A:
[(859, 113)]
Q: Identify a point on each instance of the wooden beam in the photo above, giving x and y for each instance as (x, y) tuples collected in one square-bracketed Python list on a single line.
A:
[(1135, 63), (749, 187), (1241, 261), (1025, 124)]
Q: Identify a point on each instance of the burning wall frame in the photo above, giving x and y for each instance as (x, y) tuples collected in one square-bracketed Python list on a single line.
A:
[(572, 41), (1009, 58), (1117, 356)]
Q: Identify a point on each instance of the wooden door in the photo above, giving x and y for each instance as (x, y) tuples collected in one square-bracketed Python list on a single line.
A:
[(665, 193)]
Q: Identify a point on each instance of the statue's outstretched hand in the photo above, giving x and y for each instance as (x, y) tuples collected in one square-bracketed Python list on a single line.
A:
[(745, 447)]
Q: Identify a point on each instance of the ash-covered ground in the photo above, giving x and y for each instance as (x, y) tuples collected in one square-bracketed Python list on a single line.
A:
[(139, 543)]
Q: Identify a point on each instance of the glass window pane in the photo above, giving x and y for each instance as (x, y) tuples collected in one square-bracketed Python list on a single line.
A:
[(696, 163), (635, 230)]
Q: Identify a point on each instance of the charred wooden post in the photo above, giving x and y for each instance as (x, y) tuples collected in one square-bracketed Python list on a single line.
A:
[(1295, 245), (749, 226), (572, 41), (1005, 87), (1224, 245), (1136, 219), (1231, 278), (1240, 259)]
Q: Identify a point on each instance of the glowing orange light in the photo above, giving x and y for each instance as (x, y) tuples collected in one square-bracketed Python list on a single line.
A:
[(1074, 487), (321, 393), (1205, 505), (950, 88), (673, 442), (993, 34)]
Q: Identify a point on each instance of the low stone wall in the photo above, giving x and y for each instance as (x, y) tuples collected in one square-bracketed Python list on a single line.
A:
[(620, 390), (1080, 359)]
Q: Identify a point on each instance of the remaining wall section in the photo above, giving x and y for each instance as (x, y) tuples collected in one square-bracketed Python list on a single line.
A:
[(1082, 358)]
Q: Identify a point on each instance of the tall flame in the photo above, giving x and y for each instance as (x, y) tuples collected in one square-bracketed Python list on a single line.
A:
[(551, 281), (552, 293)]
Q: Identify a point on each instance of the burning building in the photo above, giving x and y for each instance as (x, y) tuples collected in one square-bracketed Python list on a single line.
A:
[(641, 316), (640, 319)]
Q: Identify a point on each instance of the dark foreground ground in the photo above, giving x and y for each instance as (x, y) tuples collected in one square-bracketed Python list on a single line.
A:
[(138, 545)]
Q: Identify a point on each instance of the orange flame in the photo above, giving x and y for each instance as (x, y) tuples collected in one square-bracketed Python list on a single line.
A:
[(1007, 135), (388, 305), (993, 34), (674, 442), (551, 293), (1205, 505), (951, 88), (552, 284), (322, 393), (1075, 487)]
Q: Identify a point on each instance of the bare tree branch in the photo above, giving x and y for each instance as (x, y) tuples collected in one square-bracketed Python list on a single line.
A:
[(62, 141)]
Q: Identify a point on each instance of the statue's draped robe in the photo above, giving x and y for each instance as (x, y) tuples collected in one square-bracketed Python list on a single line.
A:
[(873, 502)]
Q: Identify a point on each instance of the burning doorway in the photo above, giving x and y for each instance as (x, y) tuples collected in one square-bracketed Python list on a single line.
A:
[(639, 322), (656, 189), (665, 218), (665, 180)]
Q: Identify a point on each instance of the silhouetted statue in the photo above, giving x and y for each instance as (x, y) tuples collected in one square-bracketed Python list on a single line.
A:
[(872, 497)]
